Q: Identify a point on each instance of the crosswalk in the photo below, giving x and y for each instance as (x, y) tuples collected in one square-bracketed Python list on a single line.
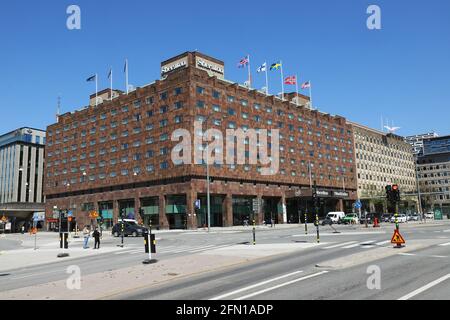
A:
[(368, 244), (173, 249)]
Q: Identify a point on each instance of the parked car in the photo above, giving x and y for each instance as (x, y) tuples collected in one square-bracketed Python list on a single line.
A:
[(351, 218), (327, 221), (336, 216), (429, 215), (131, 229), (370, 218), (401, 218), (414, 217), (386, 217)]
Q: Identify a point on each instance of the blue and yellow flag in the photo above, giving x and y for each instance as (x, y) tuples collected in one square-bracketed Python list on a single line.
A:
[(276, 66)]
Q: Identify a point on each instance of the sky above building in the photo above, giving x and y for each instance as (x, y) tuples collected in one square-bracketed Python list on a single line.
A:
[(399, 73)]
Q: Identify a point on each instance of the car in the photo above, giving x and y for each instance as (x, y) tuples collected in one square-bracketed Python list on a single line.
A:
[(414, 217), (429, 215), (386, 217), (327, 221), (351, 218), (401, 218), (336, 216), (131, 229), (370, 218)]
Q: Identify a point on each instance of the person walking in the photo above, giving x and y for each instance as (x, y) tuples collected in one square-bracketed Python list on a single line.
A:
[(86, 235), (96, 236)]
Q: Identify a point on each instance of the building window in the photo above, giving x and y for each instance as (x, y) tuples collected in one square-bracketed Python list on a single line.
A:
[(178, 91), (200, 104), (164, 165), (200, 90)]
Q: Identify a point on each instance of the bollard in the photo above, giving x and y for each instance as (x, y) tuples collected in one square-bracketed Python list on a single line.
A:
[(254, 232), (150, 247), (306, 222), (317, 224)]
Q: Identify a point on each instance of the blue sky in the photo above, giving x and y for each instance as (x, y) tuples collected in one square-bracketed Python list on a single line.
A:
[(401, 72)]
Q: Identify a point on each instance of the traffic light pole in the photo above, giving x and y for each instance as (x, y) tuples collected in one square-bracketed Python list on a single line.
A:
[(316, 205)]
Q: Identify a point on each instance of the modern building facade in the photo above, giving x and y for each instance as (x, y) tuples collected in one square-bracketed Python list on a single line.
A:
[(383, 159), (416, 141), (21, 174), (119, 156), (434, 174)]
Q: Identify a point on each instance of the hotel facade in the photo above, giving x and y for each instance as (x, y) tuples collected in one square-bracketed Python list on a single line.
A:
[(117, 157)]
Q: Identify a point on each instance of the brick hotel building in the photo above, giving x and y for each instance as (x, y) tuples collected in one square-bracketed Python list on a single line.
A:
[(116, 156)]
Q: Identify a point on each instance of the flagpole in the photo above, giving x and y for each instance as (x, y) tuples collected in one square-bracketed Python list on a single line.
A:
[(310, 95), (96, 89), (267, 81), (111, 84), (249, 73), (282, 81), (296, 87), (126, 74)]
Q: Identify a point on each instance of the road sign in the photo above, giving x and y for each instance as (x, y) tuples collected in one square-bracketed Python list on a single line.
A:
[(358, 204), (397, 238), (4, 219), (198, 204), (70, 213)]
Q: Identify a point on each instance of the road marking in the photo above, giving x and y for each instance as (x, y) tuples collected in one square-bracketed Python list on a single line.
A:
[(435, 256), (407, 254), (255, 285), (201, 249), (359, 244), (219, 247), (383, 242), (31, 275), (340, 234), (424, 288), (339, 245), (445, 244), (282, 285)]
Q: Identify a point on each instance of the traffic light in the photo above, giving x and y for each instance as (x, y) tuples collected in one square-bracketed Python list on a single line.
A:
[(389, 192), (396, 193), (393, 193)]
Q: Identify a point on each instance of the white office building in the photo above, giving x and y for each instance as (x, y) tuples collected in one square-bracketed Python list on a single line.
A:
[(21, 174)]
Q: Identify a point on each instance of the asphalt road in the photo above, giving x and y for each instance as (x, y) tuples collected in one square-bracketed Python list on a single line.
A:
[(284, 277)]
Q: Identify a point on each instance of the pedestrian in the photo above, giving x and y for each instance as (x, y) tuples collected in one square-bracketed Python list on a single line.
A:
[(23, 229), (86, 235), (96, 236)]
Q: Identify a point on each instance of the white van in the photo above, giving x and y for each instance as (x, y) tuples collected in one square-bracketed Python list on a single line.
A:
[(336, 216)]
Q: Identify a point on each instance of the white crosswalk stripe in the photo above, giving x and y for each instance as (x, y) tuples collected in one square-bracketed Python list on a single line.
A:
[(359, 244), (340, 245), (173, 249), (445, 244), (383, 242)]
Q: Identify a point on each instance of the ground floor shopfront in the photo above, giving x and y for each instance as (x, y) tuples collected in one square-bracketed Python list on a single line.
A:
[(172, 206)]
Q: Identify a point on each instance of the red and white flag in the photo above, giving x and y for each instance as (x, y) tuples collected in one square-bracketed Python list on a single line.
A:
[(292, 80)]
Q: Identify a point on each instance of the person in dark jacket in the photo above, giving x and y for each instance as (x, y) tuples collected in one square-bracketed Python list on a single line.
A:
[(96, 236)]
